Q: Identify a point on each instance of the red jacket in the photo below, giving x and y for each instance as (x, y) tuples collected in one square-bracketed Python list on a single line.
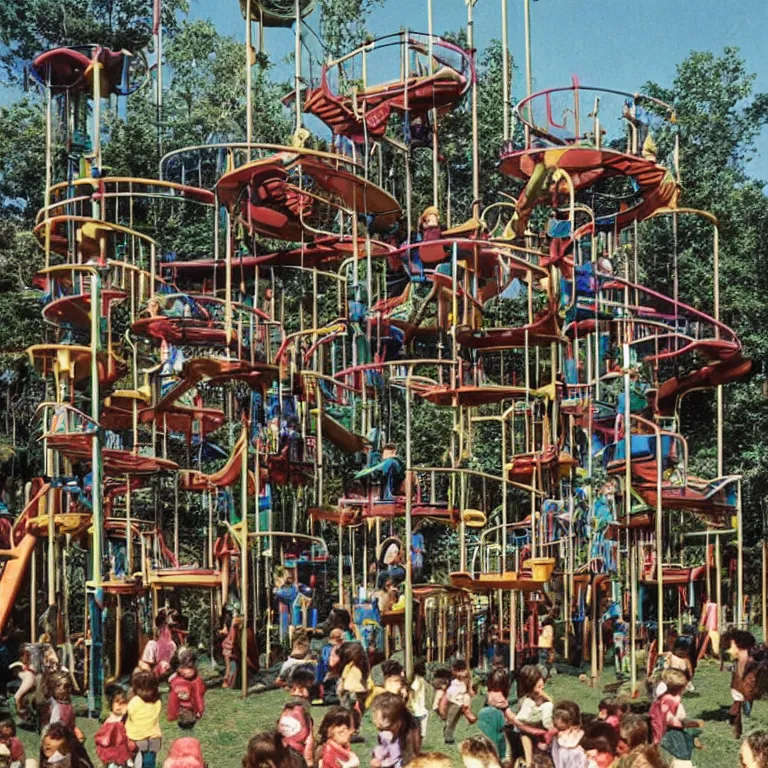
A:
[(186, 693), (336, 756), (112, 743), (297, 729), (15, 747)]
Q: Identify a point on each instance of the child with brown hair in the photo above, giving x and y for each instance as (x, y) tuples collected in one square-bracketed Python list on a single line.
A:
[(112, 745), (458, 699), (670, 726), (58, 686), (479, 752), (295, 724), (399, 734), (534, 714), (267, 750), (600, 743), (59, 747), (336, 731), (143, 723), (9, 739), (633, 733), (354, 683), (186, 701), (567, 751)]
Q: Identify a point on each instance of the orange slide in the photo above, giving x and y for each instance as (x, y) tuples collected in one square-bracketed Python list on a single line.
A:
[(14, 568), (192, 480)]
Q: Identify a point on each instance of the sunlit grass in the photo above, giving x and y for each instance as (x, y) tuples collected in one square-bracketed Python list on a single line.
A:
[(229, 721)]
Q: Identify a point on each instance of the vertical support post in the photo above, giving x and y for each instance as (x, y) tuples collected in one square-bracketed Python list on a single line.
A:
[(764, 590), (434, 117), (248, 76), (528, 74), (48, 148), (408, 628), (659, 531), (475, 139), (739, 613), (719, 583), (244, 570), (128, 531), (633, 619), (505, 70), (297, 65), (97, 516)]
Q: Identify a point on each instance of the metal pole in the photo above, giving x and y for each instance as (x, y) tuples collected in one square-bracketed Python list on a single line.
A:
[(659, 529), (159, 81), (475, 141), (248, 77), (297, 65), (739, 558), (764, 591), (408, 535), (244, 564), (528, 74), (435, 148), (505, 70), (97, 517)]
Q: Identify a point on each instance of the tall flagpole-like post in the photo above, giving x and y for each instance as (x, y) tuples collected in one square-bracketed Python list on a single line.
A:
[(297, 65), (505, 70), (528, 71), (248, 76), (475, 145), (408, 534), (435, 148), (158, 32)]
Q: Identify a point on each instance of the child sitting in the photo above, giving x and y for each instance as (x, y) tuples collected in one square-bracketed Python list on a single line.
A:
[(458, 699), (327, 669), (399, 736), (393, 677), (670, 726), (600, 743), (633, 733), (336, 732), (611, 710), (58, 686), (295, 724), (299, 657), (479, 752), (112, 745), (9, 739), (534, 715), (567, 751), (186, 701)]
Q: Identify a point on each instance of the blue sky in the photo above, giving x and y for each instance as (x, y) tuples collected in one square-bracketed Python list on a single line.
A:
[(608, 43)]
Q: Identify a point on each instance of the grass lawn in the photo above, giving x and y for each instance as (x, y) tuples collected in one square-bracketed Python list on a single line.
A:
[(229, 721)]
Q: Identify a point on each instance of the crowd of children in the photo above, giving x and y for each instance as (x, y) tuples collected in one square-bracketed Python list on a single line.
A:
[(129, 737), (528, 730)]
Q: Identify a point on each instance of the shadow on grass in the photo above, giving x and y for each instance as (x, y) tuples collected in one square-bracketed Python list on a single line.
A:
[(719, 715)]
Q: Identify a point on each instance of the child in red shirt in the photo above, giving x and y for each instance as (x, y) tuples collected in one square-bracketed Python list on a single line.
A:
[(336, 732), (295, 724), (113, 747), (186, 702)]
